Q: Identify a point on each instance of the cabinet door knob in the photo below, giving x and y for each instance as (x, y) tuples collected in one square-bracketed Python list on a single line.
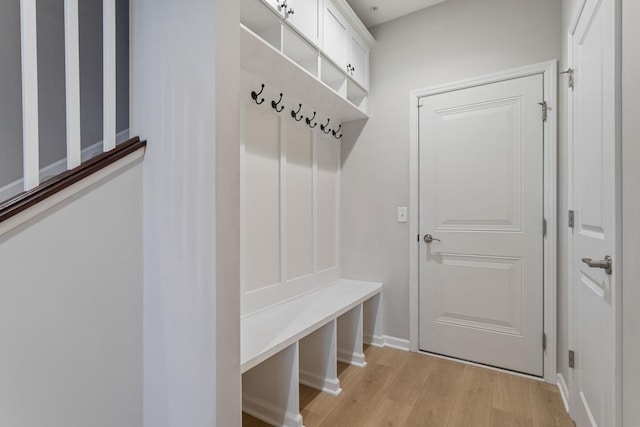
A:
[(290, 12)]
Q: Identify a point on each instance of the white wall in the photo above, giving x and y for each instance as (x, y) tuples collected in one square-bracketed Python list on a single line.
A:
[(453, 40), (71, 311), (631, 211), (228, 378), (184, 67)]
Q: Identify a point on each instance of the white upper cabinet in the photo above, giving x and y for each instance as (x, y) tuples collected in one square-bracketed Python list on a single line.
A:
[(359, 60), (323, 38), (304, 16), (335, 38), (342, 44)]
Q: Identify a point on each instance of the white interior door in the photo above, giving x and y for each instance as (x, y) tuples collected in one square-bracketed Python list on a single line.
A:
[(481, 195), (595, 202)]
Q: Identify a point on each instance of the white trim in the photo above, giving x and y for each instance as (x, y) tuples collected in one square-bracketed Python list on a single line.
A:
[(109, 62), (373, 340), (72, 82), (69, 192), (319, 382), (549, 71), (564, 391), (30, 120), (355, 358), (397, 343), (266, 412), (16, 187), (480, 365)]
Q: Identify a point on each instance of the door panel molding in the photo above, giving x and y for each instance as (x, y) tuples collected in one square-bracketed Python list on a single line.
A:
[(548, 70)]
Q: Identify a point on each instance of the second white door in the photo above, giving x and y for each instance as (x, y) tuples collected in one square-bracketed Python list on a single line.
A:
[(481, 201)]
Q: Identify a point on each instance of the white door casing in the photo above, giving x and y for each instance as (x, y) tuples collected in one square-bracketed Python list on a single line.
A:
[(595, 189), (481, 193), (548, 71)]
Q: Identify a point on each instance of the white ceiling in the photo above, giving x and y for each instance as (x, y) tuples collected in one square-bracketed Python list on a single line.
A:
[(387, 9)]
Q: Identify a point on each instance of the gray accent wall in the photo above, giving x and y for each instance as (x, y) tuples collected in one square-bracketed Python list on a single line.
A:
[(10, 93), (51, 75)]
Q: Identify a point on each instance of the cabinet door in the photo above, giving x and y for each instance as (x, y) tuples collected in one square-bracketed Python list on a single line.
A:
[(359, 61), (274, 4), (303, 14), (335, 35)]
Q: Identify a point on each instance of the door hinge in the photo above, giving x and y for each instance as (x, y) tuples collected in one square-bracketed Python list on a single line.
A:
[(418, 239), (572, 216), (545, 109), (419, 106), (544, 227), (572, 359), (569, 73), (544, 342)]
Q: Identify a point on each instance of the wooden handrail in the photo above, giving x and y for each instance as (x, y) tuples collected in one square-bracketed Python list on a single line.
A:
[(27, 199)]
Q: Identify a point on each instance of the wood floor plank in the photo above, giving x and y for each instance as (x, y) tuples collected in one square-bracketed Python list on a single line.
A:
[(547, 407), (473, 399), (501, 418), (388, 413), (361, 399), (400, 389), (511, 394), (409, 382), (440, 389)]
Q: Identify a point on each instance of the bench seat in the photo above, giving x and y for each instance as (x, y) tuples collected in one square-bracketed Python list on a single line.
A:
[(273, 329)]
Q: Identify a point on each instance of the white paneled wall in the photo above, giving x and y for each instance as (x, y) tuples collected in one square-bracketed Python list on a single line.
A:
[(261, 204), (290, 192), (298, 216)]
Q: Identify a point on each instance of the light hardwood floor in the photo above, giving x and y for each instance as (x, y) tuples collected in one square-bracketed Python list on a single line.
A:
[(397, 388)]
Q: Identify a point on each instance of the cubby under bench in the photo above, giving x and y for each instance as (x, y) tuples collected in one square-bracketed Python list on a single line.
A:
[(300, 341)]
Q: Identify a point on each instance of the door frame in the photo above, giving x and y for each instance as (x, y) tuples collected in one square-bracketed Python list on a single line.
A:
[(549, 71)]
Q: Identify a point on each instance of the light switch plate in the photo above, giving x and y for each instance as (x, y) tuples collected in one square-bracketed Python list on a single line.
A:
[(402, 214)]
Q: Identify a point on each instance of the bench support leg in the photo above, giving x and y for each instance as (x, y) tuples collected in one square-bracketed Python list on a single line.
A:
[(318, 360), (372, 317), (350, 337), (270, 391)]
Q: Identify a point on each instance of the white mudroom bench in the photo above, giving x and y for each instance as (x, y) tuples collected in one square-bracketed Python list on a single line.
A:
[(300, 341)]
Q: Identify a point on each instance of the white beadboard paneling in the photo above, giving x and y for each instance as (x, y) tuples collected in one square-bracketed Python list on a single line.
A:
[(302, 265), (299, 184), (328, 167), (261, 246)]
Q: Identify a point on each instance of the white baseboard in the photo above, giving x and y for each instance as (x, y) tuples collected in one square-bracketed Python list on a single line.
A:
[(374, 340), (355, 359), (397, 343), (268, 413), (564, 391), (321, 383), (17, 187)]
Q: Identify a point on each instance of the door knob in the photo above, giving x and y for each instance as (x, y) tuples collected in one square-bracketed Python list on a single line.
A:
[(605, 264), (428, 238)]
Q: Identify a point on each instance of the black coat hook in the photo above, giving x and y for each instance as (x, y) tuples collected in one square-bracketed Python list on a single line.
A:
[(294, 114), (311, 118), (254, 95), (275, 104), (325, 128), (335, 132)]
